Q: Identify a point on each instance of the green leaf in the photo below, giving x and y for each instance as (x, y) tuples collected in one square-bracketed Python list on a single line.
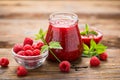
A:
[(83, 33), (37, 36), (93, 53), (41, 31), (86, 28), (93, 32), (86, 52), (44, 48), (55, 45), (100, 51), (86, 48), (88, 32), (85, 55), (40, 35), (100, 46), (92, 48), (92, 44)]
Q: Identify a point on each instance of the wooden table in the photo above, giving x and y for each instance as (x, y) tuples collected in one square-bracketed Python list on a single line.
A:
[(20, 19)]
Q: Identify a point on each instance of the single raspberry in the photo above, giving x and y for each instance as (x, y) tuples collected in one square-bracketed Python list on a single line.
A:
[(21, 53), (21, 71), (28, 41), (27, 47), (28, 53), (103, 56), (38, 45), (34, 46), (36, 52), (94, 61), (64, 66), (17, 48), (4, 62)]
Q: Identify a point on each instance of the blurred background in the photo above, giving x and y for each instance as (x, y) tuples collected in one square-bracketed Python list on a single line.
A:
[(24, 18)]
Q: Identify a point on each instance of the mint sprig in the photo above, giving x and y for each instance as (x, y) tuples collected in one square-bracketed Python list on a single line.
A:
[(48, 46), (94, 49), (88, 32), (52, 45)]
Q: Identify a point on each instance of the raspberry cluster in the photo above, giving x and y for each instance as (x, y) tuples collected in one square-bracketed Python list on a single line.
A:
[(95, 61), (28, 48)]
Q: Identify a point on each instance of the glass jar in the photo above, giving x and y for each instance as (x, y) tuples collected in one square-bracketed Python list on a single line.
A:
[(63, 28)]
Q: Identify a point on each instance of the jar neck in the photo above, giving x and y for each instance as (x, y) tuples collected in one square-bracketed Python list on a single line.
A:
[(63, 19)]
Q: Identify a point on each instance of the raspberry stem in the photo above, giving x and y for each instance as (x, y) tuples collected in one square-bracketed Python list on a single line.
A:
[(51, 50), (54, 55)]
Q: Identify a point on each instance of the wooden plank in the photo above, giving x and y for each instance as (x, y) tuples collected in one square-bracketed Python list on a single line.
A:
[(109, 70), (41, 9)]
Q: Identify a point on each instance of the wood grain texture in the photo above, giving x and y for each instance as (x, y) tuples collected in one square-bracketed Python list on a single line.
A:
[(42, 9), (24, 18)]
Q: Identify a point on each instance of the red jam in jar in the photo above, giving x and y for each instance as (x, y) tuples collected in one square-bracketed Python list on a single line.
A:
[(63, 28)]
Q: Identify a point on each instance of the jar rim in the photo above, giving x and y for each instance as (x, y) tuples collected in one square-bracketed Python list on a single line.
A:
[(60, 19), (74, 16)]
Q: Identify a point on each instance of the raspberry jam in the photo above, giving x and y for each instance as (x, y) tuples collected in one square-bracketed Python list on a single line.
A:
[(63, 27)]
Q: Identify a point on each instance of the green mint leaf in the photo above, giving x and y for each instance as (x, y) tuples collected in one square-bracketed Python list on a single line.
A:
[(86, 48), (100, 46), (44, 33), (44, 48), (92, 48), (85, 55), (92, 53), (37, 36), (55, 45), (40, 35), (93, 32), (88, 32), (41, 31), (100, 51), (92, 45), (83, 33), (86, 28), (86, 52)]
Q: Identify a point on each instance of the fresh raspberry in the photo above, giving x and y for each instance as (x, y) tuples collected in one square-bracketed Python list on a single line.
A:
[(28, 53), (103, 56), (4, 62), (17, 48), (27, 47), (21, 71), (38, 45), (64, 66), (36, 52), (21, 53), (94, 61), (34, 46), (28, 41)]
